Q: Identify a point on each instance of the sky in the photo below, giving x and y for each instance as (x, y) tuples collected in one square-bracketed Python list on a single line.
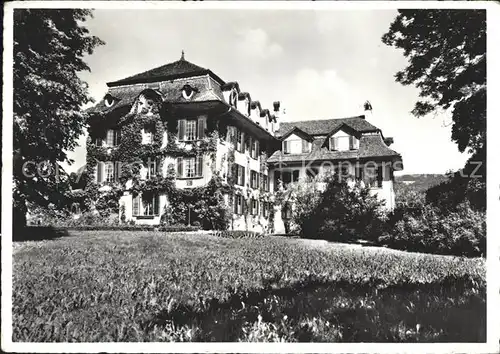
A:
[(318, 64)]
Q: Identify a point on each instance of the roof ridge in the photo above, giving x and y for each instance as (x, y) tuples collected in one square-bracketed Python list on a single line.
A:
[(322, 120), (178, 68)]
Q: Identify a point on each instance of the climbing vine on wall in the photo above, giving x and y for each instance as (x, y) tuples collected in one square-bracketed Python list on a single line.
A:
[(206, 204)]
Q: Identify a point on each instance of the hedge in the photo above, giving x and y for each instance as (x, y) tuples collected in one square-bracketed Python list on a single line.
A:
[(173, 228)]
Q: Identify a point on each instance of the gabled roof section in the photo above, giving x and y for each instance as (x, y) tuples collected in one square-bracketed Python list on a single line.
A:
[(298, 132), (177, 69), (326, 126), (348, 129)]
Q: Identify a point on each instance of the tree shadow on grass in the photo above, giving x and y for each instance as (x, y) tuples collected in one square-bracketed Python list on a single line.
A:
[(318, 311), (37, 233)]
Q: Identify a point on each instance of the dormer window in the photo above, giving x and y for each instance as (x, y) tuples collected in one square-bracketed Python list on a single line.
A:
[(343, 143), (187, 92), (109, 101), (296, 146)]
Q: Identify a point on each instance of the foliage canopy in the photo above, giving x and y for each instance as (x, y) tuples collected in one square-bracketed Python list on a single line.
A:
[(49, 50), (447, 62)]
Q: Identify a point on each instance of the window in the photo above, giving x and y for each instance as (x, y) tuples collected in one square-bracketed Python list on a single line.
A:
[(265, 182), (254, 206), (254, 150), (110, 137), (109, 172), (238, 204), (147, 136), (151, 170), (265, 209), (286, 177), (75, 208), (290, 176), (359, 173), (109, 101), (192, 129), (343, 143), (287, 211), (187, 92), (146, 205), (295, 146), (190, 167), (239, 141), (342, 171), (373, 176), (254, 180), (239, 174)]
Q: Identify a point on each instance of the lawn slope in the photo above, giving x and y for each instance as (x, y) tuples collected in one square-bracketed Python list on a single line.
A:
[(145, 286)]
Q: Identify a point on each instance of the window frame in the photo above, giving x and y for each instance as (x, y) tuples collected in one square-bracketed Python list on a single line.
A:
[(189, 164), (373, 181), (184, 163), (238, 204), (240, 175), (254, 207), (107, 174), (254, 179), (150, 175), (188, 124), (110, 133), (153, 210)]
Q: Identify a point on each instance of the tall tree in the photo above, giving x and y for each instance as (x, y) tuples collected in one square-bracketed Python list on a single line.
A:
[(49, 50), (447, 62)]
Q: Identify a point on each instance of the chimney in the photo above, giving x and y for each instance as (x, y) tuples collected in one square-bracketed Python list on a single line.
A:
[(276, 125), (368, 110)]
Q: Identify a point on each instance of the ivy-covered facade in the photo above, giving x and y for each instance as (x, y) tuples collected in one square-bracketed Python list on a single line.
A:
[(178, 145)]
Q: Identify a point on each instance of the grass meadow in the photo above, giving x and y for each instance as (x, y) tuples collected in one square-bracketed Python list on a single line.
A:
[(115, 286)]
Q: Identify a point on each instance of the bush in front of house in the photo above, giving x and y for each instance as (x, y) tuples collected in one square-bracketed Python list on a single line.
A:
[(238, 234), (340, 213), (460, 232)]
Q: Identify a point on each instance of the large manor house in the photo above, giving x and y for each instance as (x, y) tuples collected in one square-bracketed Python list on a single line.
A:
[(193, 126)]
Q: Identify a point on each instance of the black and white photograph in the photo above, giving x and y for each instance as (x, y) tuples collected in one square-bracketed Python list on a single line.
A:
[(249, 177)]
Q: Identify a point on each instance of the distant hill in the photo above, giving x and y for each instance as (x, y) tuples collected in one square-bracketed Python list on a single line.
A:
[(420, 182)]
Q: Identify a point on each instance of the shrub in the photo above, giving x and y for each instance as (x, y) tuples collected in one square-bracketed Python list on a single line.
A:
[(340, 213), (408, 197), (461, 232), (238, 234)]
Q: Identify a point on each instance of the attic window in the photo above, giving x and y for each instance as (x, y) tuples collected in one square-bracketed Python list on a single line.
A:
[(109, 100), (187, 92), (343, 143)]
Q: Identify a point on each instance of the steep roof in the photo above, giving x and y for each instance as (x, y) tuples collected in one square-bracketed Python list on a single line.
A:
[(370, 146), (325, 126), (126, 96), (177, 69)]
